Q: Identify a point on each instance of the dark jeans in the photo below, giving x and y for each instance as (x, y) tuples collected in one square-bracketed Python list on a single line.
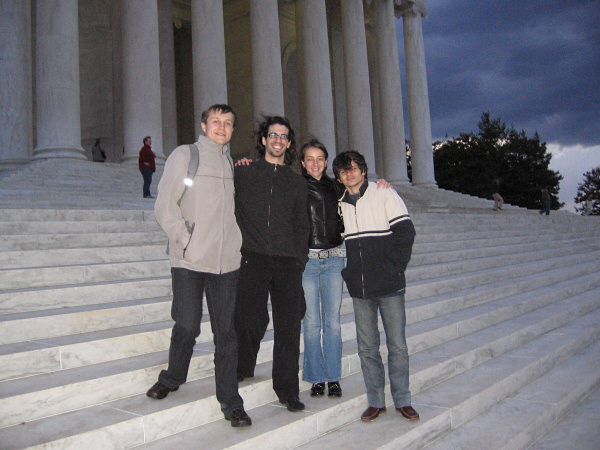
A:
[(281, 277), (188, 288), (147, 174)]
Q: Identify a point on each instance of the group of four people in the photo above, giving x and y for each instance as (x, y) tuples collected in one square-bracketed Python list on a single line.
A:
[(243, 234)]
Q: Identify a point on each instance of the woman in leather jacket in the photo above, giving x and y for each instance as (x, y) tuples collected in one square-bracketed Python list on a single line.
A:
[(322, 280)]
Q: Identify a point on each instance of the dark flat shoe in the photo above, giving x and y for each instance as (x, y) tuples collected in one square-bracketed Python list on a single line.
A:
[(372, 413), (335, 390), (293, 404), (239, 418), (159, 391), (317, 389), (409, 413)]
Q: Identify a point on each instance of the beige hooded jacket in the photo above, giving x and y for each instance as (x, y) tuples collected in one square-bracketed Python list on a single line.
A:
[(203, 232)]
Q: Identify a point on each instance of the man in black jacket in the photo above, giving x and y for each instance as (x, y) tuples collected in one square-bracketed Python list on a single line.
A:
[(270, 202)]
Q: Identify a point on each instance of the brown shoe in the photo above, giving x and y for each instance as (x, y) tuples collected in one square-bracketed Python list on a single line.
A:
[(372, 413), (409, 413)]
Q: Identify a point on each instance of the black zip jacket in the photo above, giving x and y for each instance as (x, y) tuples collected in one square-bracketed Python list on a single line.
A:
[(270, 207), (326, 226)]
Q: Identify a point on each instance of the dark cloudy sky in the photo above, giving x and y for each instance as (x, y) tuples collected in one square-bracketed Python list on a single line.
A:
[(533, 63)]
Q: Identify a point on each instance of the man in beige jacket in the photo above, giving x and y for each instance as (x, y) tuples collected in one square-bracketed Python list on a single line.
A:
[(204, 243)]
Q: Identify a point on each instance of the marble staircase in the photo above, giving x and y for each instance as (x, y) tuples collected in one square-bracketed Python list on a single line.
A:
[(501, 310)]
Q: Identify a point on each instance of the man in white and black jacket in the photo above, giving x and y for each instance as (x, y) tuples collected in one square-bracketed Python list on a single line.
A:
[(379, 237)]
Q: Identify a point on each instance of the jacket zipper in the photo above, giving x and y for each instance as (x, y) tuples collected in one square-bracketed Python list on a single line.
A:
[(190, 239), (269, 209), (362, 271)]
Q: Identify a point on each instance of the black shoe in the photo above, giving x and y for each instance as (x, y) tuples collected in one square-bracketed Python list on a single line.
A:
[(317, 389), (241, 377), (159, 391), (148, 196), (239, 418), (335, 390), (293, 404)]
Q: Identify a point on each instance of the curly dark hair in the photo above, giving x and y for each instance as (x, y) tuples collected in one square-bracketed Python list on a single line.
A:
[(263, 130), (344, 161)]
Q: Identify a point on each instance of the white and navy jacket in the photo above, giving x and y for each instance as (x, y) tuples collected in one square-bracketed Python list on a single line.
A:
[(379, 237)]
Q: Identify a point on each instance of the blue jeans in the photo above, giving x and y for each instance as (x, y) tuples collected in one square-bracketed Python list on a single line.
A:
[(322, 283), (186, 311), (147, 175), (367, 334)]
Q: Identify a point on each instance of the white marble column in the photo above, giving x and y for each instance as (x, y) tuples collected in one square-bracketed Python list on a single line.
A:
[(57, 80), (267, 78), (356, 69), (418, 98), (314, 42), (15, 83), (390, 94), (142, 114), (167, 76), (208, 47)]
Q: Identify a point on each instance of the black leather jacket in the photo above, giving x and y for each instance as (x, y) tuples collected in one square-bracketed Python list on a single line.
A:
[(326, 225)]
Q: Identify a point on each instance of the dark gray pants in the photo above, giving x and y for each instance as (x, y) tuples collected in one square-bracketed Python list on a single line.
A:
[(186, 311)]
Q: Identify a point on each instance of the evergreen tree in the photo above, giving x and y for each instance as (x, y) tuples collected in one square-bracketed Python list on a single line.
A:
[(589, 190), (469, 163)]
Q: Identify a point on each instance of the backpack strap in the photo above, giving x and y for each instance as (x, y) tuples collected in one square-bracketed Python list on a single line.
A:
[(191, 171), (189, 179)]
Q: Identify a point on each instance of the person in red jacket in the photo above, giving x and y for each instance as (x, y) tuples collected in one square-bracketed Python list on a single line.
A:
[(147, 165)]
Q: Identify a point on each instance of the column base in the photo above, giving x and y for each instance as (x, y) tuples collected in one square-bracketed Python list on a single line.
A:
[(12, 163), (432, 184), (59, 152)]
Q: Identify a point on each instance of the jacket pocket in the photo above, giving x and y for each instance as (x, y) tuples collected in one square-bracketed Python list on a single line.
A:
[(191, 230)]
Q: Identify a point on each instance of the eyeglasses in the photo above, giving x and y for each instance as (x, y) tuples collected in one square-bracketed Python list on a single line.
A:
[(283, 137)]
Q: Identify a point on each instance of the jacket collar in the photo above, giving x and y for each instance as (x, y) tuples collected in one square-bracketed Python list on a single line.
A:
[(361, 191), (205, 142)]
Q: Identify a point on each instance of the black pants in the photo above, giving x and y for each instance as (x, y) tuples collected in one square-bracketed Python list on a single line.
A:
[(281, 277), (188, 289), (147, 175)]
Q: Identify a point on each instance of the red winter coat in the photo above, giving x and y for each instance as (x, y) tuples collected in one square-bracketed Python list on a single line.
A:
[(146, 160)]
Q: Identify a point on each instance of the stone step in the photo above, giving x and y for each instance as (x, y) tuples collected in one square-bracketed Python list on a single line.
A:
[(82, 295), (18, 301), (421, 336), (506, 232), (79, 227), (60, 241), (441, 285), (525, 416), (70, 256), (72, 215), (449, 245), (455, 400), (193, 411), (436, 257), (39, 277), (55, 354), (52, 323), (486, 262), (579, 428), (50, 277)]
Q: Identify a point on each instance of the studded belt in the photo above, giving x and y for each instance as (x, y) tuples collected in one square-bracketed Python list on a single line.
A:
[(324, 254)]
